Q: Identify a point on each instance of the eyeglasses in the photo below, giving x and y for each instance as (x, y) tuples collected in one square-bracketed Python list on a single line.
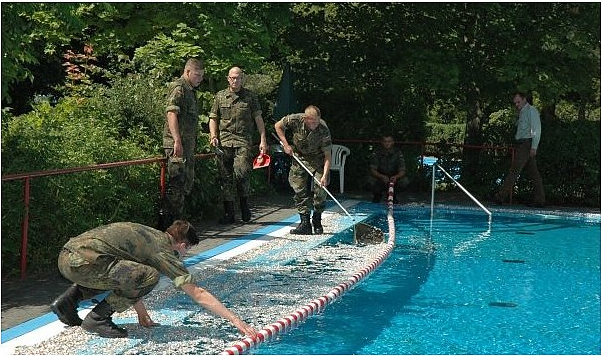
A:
[(233, 79)]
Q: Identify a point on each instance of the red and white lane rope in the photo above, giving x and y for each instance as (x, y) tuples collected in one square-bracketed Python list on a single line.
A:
[(317, 305)]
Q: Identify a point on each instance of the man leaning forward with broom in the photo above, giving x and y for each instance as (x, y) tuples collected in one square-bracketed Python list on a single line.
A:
[(312, 145)]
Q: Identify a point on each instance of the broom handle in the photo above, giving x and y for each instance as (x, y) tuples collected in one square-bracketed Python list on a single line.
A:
[(314, 177)]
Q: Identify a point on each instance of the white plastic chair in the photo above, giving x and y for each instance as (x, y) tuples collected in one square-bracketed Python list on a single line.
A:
[(339, 154)]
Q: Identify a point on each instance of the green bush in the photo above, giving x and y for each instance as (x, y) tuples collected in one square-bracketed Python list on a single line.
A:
[(62, 206), (133, 108), (569, 162)]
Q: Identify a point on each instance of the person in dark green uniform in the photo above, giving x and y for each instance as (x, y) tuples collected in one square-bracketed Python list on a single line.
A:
[(313, 146), (179, 140), (127, 259), (233, 120), (387, 165)]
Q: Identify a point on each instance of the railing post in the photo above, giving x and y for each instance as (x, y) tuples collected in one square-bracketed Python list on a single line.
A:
[(512, 149), (25, 228), (421, 146), (433, 188), (162, 181)]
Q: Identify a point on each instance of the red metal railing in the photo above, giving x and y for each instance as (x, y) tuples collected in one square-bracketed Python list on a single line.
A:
[(26, 177)]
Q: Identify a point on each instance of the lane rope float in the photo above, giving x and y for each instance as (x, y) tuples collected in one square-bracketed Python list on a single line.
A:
[(317, 305)]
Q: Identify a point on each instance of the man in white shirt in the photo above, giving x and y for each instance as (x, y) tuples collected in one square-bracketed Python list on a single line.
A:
[(527, 139)]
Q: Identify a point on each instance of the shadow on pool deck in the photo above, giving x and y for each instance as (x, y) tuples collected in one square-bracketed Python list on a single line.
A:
[(23, 300)]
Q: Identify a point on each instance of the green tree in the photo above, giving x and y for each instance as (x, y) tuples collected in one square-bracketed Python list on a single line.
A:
[(31, 31)]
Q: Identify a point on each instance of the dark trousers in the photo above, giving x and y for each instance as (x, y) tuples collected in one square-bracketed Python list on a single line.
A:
[(379, 189), (523, 160)]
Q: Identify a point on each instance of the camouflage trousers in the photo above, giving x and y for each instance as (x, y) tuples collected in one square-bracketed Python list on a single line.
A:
[(126, 281), (308, 195), (379, 188), (180, 179), (235, 166)]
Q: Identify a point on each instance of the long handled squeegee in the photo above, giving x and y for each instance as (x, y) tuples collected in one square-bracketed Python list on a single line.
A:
[(362, 232)]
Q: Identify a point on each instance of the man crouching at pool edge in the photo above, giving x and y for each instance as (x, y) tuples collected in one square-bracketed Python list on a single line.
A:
[(127, 259)]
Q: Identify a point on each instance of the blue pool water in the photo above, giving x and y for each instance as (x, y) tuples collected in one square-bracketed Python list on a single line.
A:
[(520, 284)]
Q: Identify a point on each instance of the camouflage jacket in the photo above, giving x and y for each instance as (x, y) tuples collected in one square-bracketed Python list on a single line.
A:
[(387, 162), (132, 242), (308, 144), (181, 99), (236, 114)]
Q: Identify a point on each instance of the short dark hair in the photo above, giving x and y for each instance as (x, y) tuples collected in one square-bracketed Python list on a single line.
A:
[(182, 230), (194, 63), (527, 96)]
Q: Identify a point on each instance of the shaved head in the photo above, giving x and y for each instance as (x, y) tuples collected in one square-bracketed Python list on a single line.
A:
[(234, 78)]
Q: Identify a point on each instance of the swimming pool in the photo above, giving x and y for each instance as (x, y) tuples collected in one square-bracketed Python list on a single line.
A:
[(523, 284), (520, 284)]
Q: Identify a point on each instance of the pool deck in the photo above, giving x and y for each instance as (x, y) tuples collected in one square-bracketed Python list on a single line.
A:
[(24, 300)]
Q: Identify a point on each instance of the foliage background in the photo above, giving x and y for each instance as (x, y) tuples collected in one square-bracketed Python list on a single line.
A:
[(83, 83)]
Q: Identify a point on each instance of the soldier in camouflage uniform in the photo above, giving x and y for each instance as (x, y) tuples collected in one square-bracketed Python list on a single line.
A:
[(234, 118), (179, 139), (127, 259), (387, 165), (313, 147)]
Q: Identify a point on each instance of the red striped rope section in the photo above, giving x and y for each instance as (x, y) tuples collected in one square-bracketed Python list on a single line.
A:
[(317, 305)]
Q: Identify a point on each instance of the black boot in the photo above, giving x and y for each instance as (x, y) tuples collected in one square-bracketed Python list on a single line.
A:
[(165, 219), (317, 228), (98, 321), (65, 306), (304, 228), (228, 213), (245, 209)]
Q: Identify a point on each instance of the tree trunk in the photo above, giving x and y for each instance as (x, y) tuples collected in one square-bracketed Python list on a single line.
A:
[(473, 133), (581, 110), (547, 112)]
